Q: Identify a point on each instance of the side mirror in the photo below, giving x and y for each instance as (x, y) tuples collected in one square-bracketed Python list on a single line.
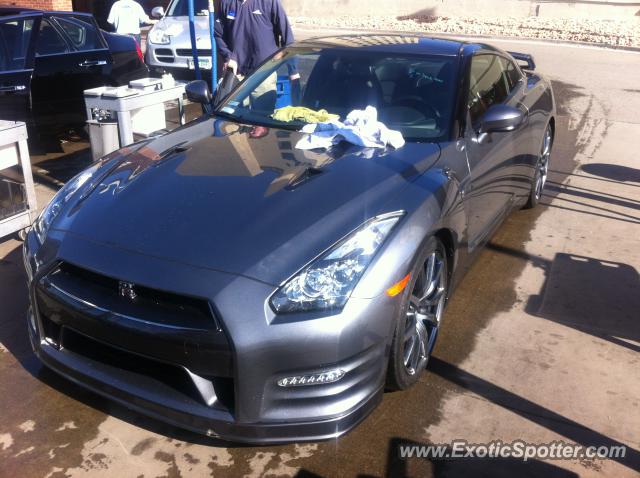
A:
[(501, 119), (157, 12), (198, 92)]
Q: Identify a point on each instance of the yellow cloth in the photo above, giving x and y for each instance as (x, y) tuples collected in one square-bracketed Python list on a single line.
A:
[(291, 113)]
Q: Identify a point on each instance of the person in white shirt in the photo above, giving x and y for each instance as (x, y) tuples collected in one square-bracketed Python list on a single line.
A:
[(127, 16)]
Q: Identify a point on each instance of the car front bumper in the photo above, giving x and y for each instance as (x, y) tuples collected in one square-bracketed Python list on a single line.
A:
[(128, 360), (175, 60), (143, 396)]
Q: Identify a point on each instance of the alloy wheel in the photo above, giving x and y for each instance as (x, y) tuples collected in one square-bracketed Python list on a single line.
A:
[(542, 168), (424, 312)]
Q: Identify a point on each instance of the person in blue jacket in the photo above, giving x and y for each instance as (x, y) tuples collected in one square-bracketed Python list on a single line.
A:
[(247, 32)]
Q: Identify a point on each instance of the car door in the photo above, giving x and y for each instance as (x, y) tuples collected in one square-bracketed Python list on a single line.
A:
[(524, 138), (490, 156), (16, 66), (71, 56)]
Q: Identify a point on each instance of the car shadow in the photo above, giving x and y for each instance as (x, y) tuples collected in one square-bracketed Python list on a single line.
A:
[(584, 193), (613, 172), (594, 177), (477, 467), (594, 296), (404, 467), (585, 200), (544, 417), (604, 215)]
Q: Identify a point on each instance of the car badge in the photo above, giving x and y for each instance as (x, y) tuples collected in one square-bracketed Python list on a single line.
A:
[(127, 290)]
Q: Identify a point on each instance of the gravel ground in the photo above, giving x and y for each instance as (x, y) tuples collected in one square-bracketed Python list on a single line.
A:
[(618, 33)]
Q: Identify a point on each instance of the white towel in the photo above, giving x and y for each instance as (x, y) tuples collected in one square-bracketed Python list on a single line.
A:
[(361, 128)]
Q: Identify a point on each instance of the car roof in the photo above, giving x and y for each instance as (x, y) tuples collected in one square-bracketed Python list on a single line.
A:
[(17, 10), (409, 43), (7, 11)]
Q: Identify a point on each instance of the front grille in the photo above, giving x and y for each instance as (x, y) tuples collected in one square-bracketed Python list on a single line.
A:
[(151, 305), (162, 326), (170, 375), (52, 332), (165, 55), (187, 52)]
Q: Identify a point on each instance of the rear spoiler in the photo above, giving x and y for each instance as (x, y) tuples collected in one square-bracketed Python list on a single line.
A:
[(525, 58)]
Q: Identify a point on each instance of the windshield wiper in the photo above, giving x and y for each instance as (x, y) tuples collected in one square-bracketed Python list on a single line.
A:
[(168, 153), (302, 175), (236, 118)]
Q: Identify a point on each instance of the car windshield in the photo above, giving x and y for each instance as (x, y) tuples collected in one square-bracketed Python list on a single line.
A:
[(412, 94), (180, 8)]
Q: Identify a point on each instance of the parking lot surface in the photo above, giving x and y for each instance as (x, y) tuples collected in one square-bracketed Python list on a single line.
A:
[(540, 342)]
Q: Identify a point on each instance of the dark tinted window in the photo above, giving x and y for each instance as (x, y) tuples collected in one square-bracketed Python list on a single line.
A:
[(82, 34), (14, 43), (49, 40), (488, 84), (513, 73)]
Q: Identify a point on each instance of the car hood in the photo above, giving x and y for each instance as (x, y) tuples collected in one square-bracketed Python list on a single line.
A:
[(178, 29), (241, 199)]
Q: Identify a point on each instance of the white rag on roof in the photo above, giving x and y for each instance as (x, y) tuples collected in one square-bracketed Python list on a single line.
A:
[(361, 128)]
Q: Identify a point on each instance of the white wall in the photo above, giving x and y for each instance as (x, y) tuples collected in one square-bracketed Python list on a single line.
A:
[(486, 8)]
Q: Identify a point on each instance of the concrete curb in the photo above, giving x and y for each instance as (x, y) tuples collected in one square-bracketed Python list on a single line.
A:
[(605, 46)]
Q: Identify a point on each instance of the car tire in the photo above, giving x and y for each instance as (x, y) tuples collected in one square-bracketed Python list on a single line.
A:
[(541, 169), (420, 316)]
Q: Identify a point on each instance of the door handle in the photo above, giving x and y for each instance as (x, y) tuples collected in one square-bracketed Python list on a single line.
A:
[(90, 63), (13, 88)]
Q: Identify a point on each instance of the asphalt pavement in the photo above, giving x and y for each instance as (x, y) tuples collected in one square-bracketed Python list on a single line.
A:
[(540, 342)]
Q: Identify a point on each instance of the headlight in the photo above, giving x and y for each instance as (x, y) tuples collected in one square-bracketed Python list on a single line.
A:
[(159, 36), (60, 200), (327, 283)]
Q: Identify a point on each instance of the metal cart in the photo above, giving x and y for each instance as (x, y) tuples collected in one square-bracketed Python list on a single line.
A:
[(18, 206), (125, 102)]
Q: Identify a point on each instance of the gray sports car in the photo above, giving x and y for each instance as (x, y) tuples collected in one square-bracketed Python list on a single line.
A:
[(222, 279)]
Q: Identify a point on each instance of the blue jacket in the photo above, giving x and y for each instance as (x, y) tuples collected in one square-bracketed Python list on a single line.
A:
[(251, 31)]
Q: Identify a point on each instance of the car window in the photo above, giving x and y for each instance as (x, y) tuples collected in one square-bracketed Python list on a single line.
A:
[(49, 40), (14, 43), (180, 8), (413, 94), (277, 91), (83, 35), (488, 85), (513, 73)]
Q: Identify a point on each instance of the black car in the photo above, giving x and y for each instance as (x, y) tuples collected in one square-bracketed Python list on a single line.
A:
[(47, 60)]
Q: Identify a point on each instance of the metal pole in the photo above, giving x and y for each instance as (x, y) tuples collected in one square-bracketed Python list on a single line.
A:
[(192, 33), (214, 52)]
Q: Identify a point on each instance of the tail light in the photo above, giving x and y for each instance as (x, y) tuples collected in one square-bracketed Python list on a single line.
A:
[(139, 51)]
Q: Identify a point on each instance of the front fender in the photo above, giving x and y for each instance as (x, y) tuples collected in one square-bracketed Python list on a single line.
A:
[(433, 203)]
